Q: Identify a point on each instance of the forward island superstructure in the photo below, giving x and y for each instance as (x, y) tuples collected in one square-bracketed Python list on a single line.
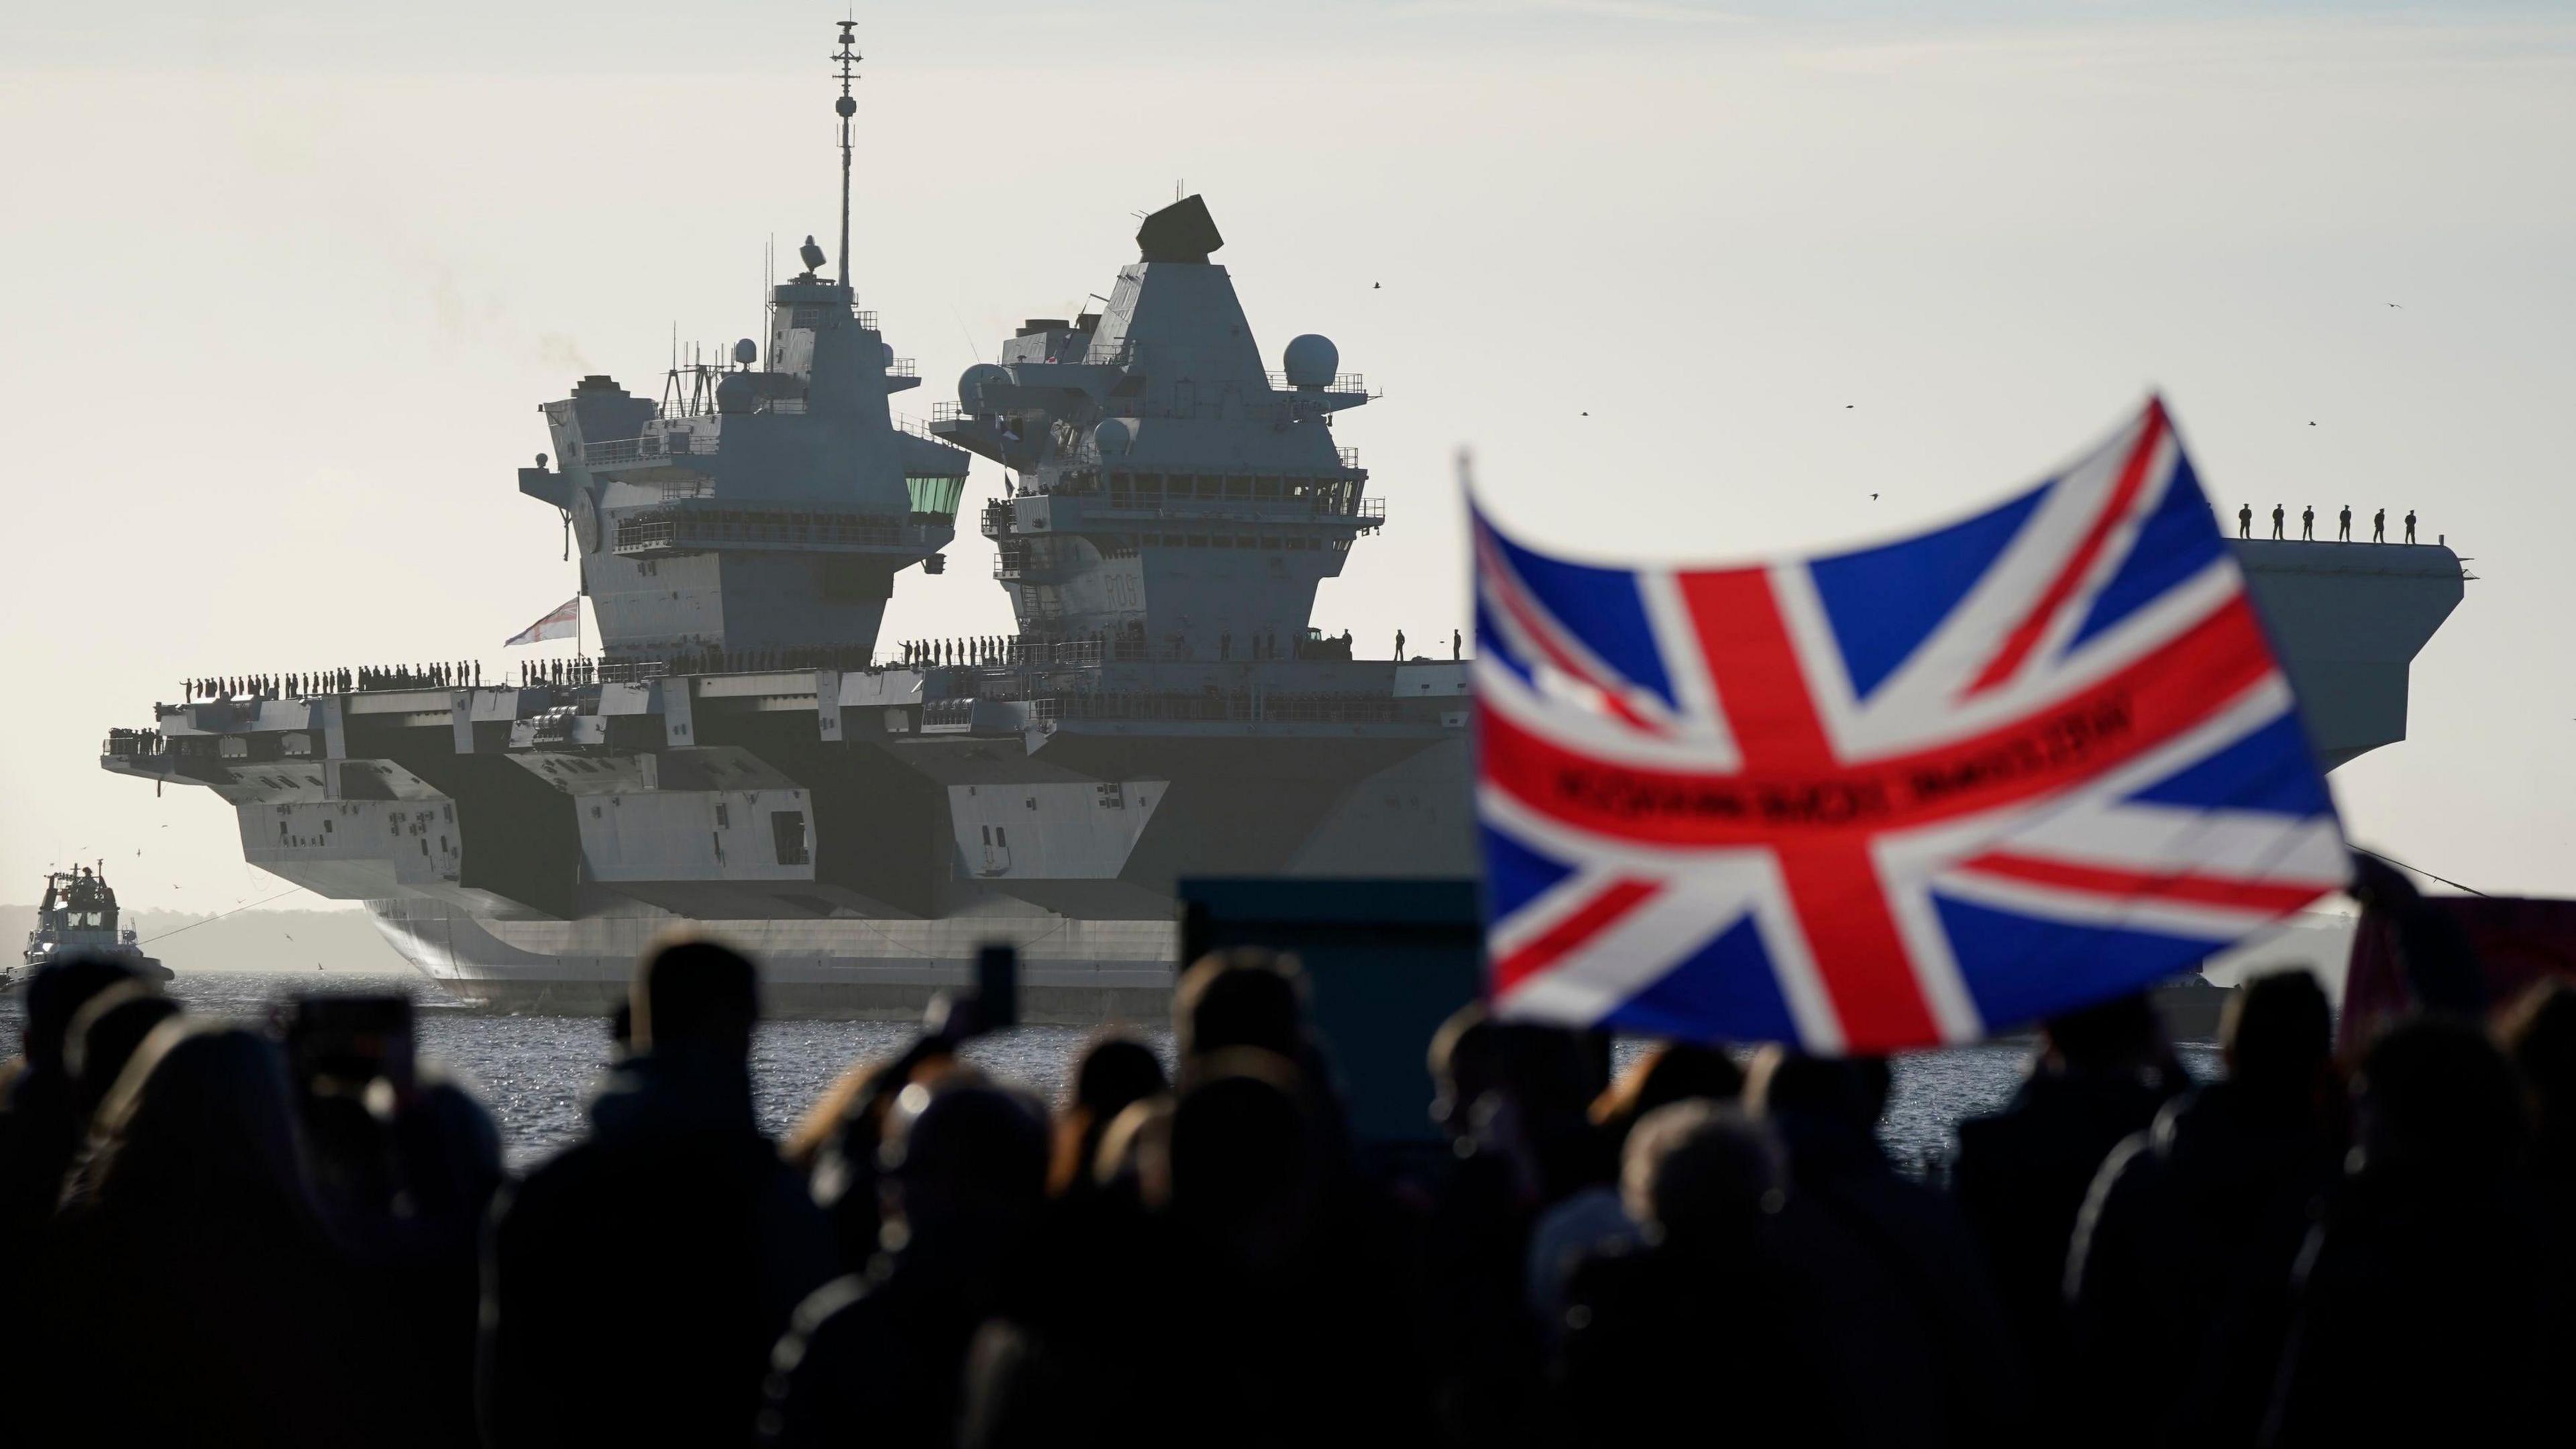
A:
[(747, 757)]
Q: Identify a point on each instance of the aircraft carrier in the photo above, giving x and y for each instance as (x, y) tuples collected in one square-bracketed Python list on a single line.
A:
[(746, 756)]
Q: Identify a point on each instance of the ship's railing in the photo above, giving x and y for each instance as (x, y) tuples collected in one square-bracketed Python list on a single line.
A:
[(631, 671), (1367, 511), (651, 447), (131, 744), (948, 412), (1342, 382), (903, 367), (1012, 653), (906, 423), (716, 527), (785, 406), (1233, 706), (867, 321)]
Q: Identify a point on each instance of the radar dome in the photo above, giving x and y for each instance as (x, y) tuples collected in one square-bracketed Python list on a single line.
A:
[(1114, 437), (1311, 361), (889, 352), (746, 352), (735, 393), (970, 385)]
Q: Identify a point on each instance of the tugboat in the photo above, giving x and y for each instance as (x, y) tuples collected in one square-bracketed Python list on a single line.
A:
[(79, 917)]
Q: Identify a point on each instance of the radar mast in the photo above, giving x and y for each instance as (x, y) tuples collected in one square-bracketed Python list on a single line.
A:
[(848, 57)]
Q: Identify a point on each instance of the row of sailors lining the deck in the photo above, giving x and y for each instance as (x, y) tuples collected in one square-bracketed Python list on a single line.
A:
[(1003, 651), (999, 651), (2308, 523), (986, 650), (463, 673)]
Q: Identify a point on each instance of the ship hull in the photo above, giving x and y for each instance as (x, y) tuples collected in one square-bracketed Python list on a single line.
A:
[(1072, 971), (823, 820)]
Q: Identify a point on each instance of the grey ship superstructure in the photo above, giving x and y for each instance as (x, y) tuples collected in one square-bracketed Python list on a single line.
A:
[(739, 761), (748, 756)]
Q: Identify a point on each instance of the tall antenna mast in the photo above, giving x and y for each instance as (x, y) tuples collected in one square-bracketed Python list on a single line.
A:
[(848, 57)]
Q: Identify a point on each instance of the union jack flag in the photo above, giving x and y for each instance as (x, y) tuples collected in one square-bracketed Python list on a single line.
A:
[(1895, 797)]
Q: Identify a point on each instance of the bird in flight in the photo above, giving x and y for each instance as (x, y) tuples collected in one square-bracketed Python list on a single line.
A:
[(1873, 498)]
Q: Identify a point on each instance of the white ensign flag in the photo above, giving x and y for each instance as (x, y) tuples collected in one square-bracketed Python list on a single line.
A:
[(563, 623)]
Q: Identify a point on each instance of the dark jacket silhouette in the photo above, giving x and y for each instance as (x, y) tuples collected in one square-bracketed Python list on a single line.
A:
[(2421, 1310), (880, 1356), (190, 1296), (1887, 1278), (2021, 1174), (2183, 1255), (636, 1282), (2183, 1261), (1702, 1327), (45, 1113)]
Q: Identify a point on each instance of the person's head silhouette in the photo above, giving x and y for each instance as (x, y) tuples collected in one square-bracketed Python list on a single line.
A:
[(696, 994), (2278, 1037)]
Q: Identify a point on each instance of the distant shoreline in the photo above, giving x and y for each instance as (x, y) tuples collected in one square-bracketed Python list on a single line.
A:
[(276, 941)]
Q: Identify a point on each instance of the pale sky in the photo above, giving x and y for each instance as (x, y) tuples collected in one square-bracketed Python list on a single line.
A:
[(283, 286)]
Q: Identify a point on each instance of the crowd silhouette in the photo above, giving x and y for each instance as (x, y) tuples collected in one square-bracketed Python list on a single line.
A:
[(291, 1233)]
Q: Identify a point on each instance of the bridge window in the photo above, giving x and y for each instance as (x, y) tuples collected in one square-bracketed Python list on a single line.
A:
[(787, 832), (935, 495)]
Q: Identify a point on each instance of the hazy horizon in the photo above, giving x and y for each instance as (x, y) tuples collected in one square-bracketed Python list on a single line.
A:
[(289, 283)]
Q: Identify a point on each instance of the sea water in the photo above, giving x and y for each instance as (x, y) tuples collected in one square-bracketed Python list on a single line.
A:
[(536, 1073)]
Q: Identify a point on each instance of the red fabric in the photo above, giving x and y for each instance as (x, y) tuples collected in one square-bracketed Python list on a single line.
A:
[(2518, 943)]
